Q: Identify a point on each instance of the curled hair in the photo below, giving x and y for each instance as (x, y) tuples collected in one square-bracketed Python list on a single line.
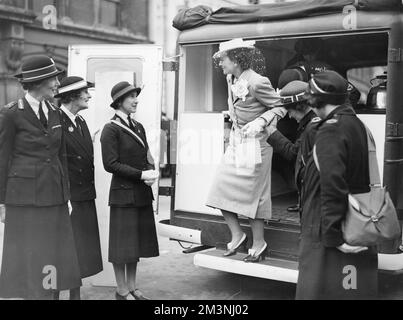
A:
[(246, 58), (71, 96)]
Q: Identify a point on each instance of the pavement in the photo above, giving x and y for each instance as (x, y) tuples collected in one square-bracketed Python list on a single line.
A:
[(173, 276)]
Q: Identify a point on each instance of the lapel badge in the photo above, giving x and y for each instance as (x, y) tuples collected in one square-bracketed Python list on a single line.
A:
[(71, 129)]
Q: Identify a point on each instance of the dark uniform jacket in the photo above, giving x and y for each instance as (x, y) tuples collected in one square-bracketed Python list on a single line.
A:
[(33, 167), (342, 155), (288, 150), (126, 155), (80, 156)]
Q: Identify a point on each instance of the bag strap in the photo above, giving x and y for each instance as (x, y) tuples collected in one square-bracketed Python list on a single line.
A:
[(374, 175)]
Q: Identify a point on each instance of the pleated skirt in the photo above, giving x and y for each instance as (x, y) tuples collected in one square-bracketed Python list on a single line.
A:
[(132, 234), (86, 234), (39, 253)]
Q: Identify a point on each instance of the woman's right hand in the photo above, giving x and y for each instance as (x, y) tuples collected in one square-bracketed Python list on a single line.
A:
[(2, 213), (150, 175)]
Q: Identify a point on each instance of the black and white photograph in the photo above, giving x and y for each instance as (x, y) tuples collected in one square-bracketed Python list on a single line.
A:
[(201, 157)]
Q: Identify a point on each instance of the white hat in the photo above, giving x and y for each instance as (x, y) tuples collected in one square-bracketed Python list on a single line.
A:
[(234, 44)]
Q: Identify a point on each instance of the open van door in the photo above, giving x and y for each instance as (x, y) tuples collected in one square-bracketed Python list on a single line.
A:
[(106, 65)]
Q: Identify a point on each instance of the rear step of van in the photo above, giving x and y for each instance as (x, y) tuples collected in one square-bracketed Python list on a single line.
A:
[(276, 267), (272, 268)]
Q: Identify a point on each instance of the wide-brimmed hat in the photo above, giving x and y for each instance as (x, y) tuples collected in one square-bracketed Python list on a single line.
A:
[(122, 89), (233, 44), (71, 84), (38, 68), (293, 93)]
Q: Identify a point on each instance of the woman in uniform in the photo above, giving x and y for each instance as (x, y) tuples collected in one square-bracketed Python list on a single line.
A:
[(242, 185), (74, 97), (39, 254), (126, 154)]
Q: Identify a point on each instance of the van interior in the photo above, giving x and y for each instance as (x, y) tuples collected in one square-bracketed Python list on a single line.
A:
[(360, 58)]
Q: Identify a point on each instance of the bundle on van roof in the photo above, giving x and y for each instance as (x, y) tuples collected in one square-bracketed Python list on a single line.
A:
[(202, 15)]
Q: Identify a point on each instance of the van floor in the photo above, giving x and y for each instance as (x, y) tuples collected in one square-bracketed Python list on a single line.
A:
[(281, 203)]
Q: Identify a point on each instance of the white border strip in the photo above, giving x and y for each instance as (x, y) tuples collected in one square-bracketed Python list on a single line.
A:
[(75, 86)]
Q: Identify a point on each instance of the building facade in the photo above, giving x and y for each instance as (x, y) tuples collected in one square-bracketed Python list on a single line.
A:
[(30, 27), (162, 13)]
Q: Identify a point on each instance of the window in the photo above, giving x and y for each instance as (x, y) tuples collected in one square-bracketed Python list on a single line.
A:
[(109, 13), (14, 3), (81, 12), (38, 5), (94, 12)]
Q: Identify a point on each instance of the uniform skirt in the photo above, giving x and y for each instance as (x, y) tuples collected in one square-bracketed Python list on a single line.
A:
[(86, 234), (132, 234), (329, 274), (39, 253), (244, 191)]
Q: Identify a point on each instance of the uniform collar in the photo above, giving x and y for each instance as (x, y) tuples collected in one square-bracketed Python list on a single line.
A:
[(68, 113), (122, 116), (345, 109), (34, 103), (307, 119)]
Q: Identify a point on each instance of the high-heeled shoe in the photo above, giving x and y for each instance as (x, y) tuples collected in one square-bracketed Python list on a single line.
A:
[(138, 295), (233, 251), (126, 297), (256, 257)]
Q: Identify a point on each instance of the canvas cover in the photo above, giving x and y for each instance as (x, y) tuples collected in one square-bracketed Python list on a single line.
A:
[(202, 15)]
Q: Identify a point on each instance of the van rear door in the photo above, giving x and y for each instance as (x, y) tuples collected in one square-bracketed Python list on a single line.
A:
[(106, 65)]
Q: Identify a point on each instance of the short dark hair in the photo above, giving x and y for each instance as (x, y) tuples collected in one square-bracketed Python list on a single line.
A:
[(320, 101), (119, 101), (29, 86), (299, 106), (71, 96)]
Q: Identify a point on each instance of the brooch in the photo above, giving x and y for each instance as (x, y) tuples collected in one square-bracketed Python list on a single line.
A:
[(71, 129)]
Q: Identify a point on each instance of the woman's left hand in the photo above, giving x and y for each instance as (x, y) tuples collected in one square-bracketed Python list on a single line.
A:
[(254, 127), (150, 183)]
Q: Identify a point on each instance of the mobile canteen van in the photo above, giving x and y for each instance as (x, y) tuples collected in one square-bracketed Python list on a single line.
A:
[(364, 46)]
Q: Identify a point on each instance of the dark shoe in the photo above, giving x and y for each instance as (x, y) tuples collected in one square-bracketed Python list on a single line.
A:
[(75, 294), (126, 297), (256, 257), (233, 251), (295, 208), (138, 295)]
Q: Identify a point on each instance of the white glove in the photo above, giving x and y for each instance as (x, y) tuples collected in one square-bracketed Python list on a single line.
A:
[(345, 248), (150, 183), (254, 127), (150, 175), (70, 207), (2, 213)]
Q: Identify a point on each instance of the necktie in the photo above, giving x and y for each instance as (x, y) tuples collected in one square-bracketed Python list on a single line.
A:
[(79, 127), (42, 117), (131, 125)]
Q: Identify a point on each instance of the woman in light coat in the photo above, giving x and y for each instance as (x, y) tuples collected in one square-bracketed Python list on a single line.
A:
[(242, 186)]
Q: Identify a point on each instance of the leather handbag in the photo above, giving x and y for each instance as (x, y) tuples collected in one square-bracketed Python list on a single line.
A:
[(371, 217)]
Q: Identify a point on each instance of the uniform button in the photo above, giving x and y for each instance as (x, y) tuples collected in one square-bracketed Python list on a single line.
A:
[(48, 148), (79, 158), (80, 170), (48, 160)]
